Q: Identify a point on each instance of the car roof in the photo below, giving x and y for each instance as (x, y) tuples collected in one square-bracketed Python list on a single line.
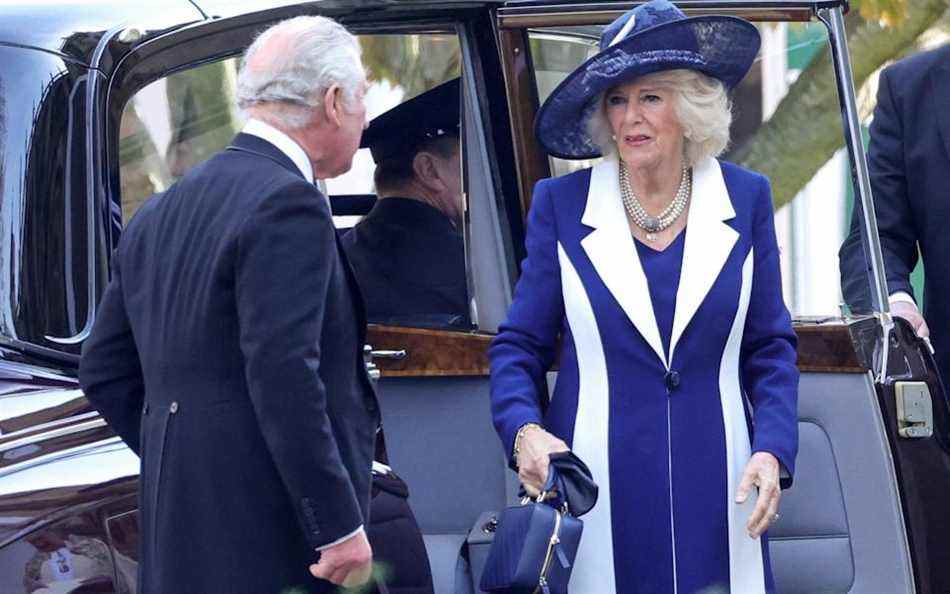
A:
[(72, 28)]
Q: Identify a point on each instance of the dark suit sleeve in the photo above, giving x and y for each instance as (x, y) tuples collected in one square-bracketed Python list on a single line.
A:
[(110, 371), (523, 350), (769, 372), (895, 221), (286, 256)]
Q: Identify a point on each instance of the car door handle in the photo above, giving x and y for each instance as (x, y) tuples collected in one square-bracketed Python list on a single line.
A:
[(398, 355)]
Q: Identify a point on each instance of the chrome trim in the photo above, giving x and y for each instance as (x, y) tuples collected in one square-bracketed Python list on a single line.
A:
[(53, 434), (60, 455), (394, 355), (48, 425), (833, 20), (860, 177)]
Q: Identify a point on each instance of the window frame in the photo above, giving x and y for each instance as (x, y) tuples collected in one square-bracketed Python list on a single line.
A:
[(487, 132)]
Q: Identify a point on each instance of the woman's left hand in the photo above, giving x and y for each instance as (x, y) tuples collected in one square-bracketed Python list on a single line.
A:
[(762, 471)]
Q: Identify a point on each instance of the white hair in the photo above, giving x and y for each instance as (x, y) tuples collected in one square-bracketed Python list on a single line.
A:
[(318, 53), (702, 107)]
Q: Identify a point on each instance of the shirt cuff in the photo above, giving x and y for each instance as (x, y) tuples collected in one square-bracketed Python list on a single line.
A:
[(901, 296), (339, 540)]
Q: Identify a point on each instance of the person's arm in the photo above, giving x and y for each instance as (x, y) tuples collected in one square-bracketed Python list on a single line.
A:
[(896, 226), (110, 372), (285, 259), (768, 354), (524, 348), (769, 375)]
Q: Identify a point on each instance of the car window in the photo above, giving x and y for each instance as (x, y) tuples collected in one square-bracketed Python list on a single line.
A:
[(555, 54), (409, 254), (172, 125), (812, 204)]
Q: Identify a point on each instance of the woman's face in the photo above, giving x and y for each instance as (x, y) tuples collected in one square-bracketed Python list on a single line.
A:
[(644, 123)]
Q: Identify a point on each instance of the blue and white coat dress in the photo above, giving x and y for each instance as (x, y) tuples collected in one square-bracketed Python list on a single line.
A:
[(666, 437)]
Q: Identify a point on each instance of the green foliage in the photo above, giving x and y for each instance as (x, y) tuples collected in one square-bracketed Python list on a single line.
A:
[(416, 63), (889, 12), (805, 130)]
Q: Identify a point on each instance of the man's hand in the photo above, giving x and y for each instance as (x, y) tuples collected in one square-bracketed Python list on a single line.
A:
[(348, 564), (909, 312), (762, 471), (533, 450)]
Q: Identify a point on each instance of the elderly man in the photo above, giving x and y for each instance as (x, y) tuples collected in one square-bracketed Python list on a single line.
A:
[(227, 349), (408, 253)]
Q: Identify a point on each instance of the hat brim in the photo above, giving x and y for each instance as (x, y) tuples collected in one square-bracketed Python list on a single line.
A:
[(725, 48)]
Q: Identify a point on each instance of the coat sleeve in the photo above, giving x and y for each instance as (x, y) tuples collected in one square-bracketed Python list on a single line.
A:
[(769, 370), (895, 221), (285, 258), (110, 372), (524, 348)]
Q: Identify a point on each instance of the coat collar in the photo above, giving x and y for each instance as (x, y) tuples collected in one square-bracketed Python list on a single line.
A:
[(284, 143), (249, 143), (610, 247)]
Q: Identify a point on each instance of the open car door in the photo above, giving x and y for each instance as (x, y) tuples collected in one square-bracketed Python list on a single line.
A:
[(868, 507)]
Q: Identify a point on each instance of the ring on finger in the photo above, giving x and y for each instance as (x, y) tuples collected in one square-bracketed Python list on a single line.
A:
[(776, 516)]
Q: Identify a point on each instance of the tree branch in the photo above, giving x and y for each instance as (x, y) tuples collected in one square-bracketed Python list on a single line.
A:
[(805, 130)]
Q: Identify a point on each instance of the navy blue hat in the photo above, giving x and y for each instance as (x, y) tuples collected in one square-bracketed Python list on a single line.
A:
[(652, 37), (400, 131)]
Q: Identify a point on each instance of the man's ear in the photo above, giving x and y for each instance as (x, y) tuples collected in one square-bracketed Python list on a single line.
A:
[(333, 105), (426, 171)]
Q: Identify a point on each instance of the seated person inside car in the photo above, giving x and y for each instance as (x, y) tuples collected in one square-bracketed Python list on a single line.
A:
[(408, 252)]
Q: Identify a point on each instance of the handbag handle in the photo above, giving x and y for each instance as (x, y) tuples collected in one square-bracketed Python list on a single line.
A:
[(553, 489)]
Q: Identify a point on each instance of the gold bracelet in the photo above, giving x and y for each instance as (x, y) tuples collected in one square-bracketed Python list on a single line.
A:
[(519, 435)]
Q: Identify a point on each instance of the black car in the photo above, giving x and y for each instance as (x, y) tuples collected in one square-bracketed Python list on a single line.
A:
[(103, 104)]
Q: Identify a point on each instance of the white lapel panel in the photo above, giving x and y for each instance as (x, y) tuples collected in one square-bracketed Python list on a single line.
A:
[(709, 242), (746, 572), (611, 250), (594, 566)]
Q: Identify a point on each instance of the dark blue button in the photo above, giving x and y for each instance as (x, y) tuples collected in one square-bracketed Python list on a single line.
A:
[(672, 379)]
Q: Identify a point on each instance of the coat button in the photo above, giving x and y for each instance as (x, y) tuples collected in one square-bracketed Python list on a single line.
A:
[(672, 379), (173, 408)]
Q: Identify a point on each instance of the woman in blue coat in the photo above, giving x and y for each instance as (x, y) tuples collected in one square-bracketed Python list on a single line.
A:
[(653, 278)]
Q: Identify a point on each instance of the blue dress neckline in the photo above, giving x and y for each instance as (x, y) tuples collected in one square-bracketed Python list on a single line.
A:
[(662, 269), (679, 239)]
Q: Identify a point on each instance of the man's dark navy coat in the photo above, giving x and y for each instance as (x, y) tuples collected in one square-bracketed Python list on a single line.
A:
[(227, 353), (909, 160)]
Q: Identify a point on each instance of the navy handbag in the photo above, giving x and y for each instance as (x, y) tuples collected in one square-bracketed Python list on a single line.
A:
[(536, 542)]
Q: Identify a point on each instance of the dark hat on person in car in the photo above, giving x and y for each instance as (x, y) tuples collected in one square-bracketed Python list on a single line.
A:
[(403, 129), (650, 38)]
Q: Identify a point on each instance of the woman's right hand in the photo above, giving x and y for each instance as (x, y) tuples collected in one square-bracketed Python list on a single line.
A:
[(534, 450)]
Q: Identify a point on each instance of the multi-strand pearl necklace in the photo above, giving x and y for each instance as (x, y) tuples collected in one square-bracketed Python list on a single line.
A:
[(649, 223)]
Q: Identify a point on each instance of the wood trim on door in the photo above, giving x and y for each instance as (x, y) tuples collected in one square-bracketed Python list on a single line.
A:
[(825, 348), (532, 163)]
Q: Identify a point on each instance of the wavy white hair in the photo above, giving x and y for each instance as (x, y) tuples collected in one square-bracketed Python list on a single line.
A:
[(702, 107), (318, 53)]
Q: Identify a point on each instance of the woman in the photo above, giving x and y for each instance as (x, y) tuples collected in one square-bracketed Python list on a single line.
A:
[(656, 275)]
